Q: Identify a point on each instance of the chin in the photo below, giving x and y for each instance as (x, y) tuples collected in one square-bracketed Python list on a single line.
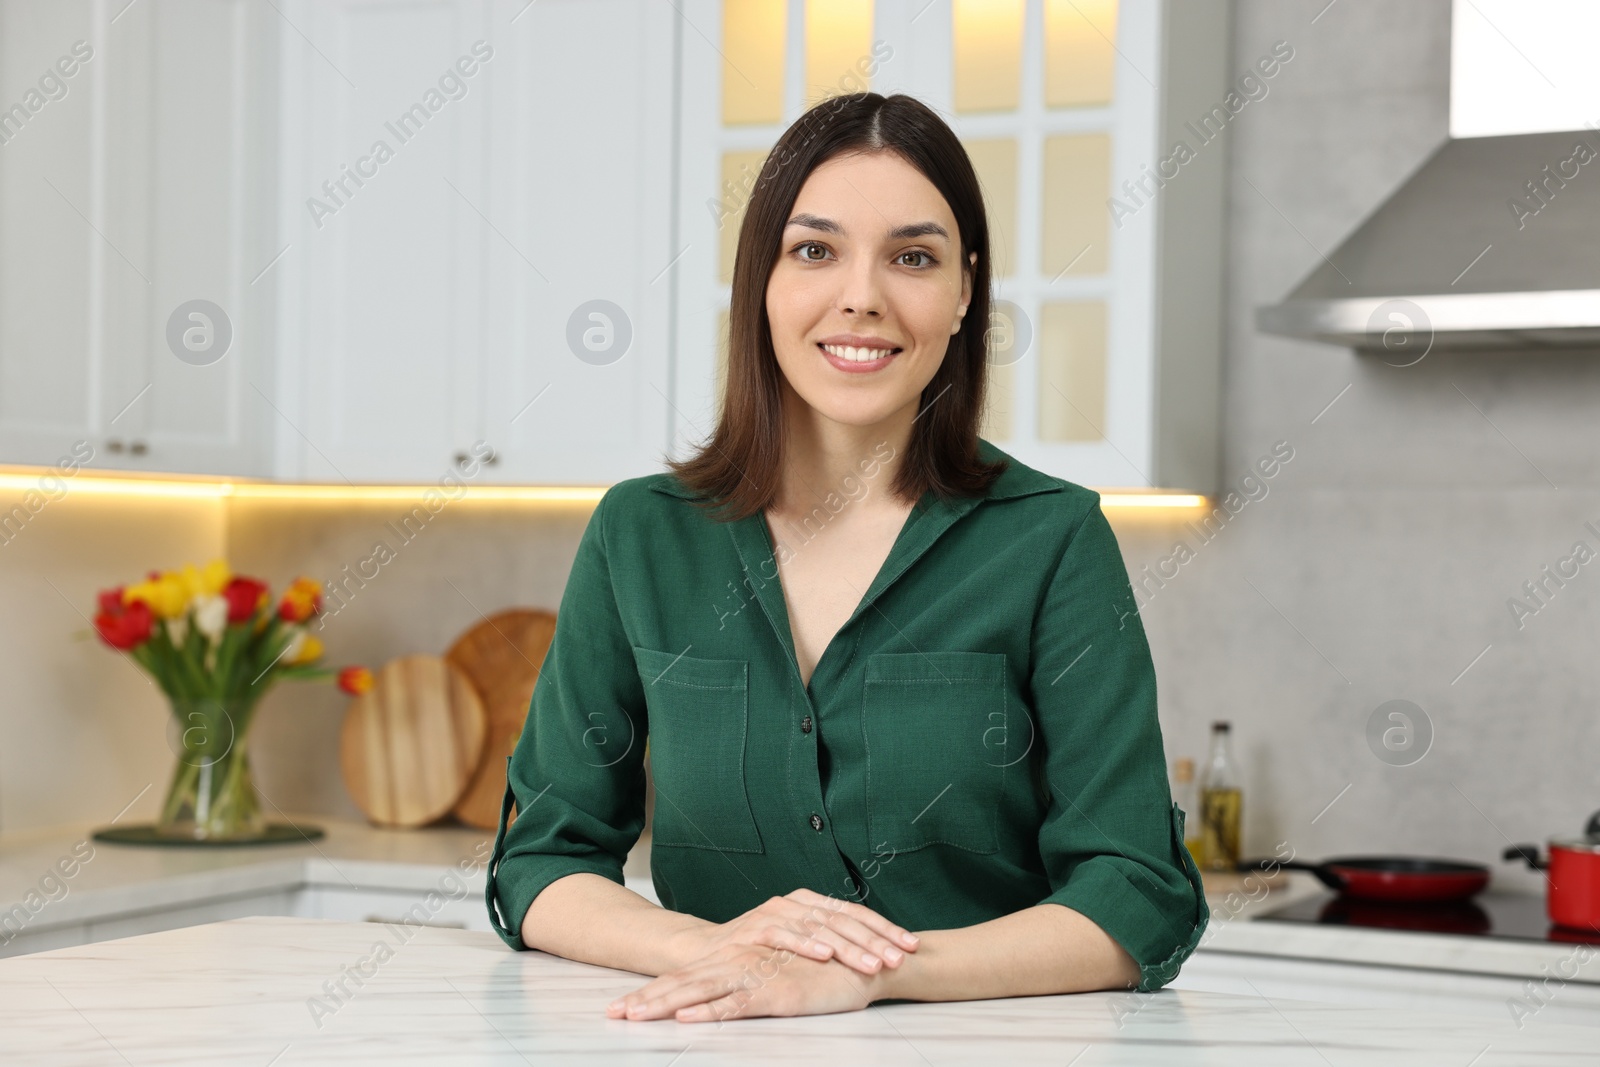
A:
[(856, 411)]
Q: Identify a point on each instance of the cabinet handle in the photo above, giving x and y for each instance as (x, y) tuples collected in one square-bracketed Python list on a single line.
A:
[(494, 457), (138, 448), (114, 445), (461, 459)]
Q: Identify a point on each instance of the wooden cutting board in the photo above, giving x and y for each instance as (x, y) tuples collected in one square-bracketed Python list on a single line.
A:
[(501, 656), (410, 744)]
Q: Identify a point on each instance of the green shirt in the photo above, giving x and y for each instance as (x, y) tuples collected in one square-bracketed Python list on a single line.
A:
[(980, 736)]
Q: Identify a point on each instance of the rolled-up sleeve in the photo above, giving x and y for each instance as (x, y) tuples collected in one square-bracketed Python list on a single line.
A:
[(577, 773), (1112, 839)]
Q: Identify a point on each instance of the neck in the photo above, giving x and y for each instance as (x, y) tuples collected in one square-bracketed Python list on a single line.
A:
[(823, 456)]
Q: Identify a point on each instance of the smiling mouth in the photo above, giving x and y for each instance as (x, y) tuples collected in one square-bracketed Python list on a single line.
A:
[(858, 355)]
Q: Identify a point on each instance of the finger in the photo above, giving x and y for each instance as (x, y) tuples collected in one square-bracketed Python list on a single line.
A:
[(855, 944), (843, 949), (800, 942), (690, 991), (651, 989), (740, 1004), (666, 985), (862, 914)]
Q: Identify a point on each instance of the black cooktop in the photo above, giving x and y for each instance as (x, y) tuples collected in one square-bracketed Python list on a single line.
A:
[(1519, 916)]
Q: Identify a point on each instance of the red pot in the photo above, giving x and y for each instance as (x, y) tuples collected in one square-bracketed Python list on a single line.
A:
[(1572, 877)]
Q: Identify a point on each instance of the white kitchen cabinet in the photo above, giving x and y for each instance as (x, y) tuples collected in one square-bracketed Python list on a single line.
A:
[(149, 920), (431, 299), (582, 276), (62, 936), (380, 175), (494, 281), (533, 265), (394, 906), (132, 189), (1106, 351), (209, 911)]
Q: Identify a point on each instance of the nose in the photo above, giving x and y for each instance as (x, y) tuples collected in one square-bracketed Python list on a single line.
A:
[(860, 291)]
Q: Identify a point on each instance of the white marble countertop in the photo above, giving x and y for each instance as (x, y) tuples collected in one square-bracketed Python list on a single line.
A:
[(252, 991), (122, 879)]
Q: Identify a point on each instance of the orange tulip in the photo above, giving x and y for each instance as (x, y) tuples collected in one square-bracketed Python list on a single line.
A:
[(301, 600), (355, 680)]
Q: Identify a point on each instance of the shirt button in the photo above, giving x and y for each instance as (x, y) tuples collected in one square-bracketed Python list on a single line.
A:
[(816, 822), (805, 725)]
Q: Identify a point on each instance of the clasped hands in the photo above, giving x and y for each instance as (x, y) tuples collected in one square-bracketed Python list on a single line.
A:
[(799, 954)]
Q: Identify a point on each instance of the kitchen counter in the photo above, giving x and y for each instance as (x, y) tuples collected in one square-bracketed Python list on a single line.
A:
[(262, 991), (121, 881), (114, 889), (1508, 957)]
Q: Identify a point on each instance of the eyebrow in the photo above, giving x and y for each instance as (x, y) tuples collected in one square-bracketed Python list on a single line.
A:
[(899, 233)]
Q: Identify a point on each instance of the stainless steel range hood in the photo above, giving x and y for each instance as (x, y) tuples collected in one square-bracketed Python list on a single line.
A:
[(1493, 242)]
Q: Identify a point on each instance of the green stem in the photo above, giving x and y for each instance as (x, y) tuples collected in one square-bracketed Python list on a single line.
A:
[(181, 786)]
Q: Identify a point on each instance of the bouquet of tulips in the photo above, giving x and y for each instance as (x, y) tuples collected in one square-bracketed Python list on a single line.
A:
[(208, 633), (215, 642)]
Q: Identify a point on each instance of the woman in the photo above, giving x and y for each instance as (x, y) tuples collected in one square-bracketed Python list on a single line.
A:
[(901, 710)]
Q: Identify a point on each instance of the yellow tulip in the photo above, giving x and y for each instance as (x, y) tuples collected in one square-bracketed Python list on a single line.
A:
[(214, 577), (207, 581), (167, 595), (309, 650)]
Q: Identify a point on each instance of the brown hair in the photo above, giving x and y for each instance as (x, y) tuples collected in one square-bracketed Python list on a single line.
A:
[(738, 469)]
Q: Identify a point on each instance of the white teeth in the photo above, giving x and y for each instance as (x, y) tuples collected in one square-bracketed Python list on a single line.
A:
[(856, 355)]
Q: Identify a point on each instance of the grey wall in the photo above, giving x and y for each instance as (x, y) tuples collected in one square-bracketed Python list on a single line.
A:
[(1379, 565)]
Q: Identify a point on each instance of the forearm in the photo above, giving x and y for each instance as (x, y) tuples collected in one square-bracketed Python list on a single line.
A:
[(590, 918), (1047, 948)]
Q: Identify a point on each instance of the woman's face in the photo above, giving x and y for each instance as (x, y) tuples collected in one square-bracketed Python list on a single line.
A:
[(869, 266)]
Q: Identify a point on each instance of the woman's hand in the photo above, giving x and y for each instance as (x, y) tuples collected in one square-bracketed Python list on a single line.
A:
[(746, 981), (812, 926)]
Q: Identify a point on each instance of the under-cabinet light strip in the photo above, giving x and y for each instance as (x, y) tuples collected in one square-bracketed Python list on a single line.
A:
[(53, 484)]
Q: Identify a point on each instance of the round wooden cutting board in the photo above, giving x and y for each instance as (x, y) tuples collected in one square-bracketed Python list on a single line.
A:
[(411, 743), (501, 656)]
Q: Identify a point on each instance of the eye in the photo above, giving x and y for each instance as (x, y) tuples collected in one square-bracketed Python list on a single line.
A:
[(927, 260), (800, 250)]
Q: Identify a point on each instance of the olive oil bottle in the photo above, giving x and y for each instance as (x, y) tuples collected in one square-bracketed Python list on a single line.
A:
[(1221, 803)]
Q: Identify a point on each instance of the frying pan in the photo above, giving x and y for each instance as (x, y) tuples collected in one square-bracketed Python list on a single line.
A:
[(1395, 879)]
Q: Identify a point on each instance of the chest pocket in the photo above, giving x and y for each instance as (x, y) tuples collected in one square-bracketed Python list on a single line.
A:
[(698, 710), (935, 725)]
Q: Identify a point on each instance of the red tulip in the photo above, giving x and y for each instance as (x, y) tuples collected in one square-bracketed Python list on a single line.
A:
[(127, 627), (244, 596), (111, 601)]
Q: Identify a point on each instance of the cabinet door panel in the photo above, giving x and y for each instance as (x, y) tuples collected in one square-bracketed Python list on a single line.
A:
[(209, 151), (195, 914), (582, 260), (52, 391), (383, 180), (133, 190)]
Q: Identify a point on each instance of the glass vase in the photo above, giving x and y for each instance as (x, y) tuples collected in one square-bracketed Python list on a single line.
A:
[(213, 794)]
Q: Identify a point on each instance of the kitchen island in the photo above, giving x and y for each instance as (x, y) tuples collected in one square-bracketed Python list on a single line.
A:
[(435, 876), (288, 991)]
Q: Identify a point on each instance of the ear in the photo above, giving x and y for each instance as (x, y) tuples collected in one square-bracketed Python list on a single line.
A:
[(966, 292)]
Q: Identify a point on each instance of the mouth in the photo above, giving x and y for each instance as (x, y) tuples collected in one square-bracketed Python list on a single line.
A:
[(853, 357)]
